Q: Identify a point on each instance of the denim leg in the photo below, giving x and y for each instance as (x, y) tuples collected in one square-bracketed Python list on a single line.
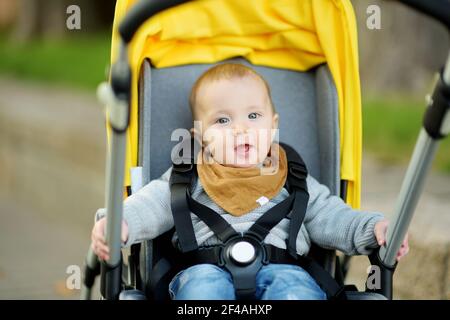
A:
[(202, 282), (286, 282)]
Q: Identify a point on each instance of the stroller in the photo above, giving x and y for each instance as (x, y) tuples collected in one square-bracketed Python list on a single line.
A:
[(315, 88)]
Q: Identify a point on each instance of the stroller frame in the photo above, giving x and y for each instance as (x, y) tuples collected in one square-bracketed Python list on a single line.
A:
[(436, 126)]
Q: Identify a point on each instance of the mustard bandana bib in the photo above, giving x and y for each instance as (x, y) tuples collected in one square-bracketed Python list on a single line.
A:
[(241, 190)]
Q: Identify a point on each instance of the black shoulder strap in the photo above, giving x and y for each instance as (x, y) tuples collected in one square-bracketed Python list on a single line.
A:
[(221, 228), (271, 218), (296, 177), (296, 203), (180, 180)]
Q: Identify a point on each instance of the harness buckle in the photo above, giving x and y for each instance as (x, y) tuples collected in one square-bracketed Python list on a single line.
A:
[(243, 266), (242, 252)]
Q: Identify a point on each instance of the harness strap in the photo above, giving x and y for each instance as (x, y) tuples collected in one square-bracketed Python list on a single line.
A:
[(221, 228), (297, 217), (179, 182), (271, 218), (296, 179)]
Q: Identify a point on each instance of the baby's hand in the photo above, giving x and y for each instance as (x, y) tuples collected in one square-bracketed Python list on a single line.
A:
[(380, 233), (98, 244)]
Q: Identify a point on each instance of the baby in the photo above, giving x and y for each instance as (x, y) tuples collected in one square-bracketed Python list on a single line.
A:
[(238, 121)]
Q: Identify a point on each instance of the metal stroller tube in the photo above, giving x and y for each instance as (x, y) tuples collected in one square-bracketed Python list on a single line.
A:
[(92, 269), (436, 127), (409, 195)]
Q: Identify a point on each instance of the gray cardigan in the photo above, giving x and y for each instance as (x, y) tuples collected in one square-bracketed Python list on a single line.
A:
[(329, 222)]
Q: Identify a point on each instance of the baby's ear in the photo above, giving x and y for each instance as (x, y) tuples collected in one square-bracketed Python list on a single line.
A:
[(275, 119), (275, 132)]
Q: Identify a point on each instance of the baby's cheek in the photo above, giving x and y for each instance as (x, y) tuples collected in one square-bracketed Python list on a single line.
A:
[(217, 146), (262, 153), (264, 139)]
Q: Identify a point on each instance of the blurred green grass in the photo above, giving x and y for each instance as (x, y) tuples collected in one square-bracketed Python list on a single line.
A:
[(391, 127), (78, 60)]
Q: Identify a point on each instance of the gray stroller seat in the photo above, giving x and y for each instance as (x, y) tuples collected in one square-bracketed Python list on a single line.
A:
[(308, 107)]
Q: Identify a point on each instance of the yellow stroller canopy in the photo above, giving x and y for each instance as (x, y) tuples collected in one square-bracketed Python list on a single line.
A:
[(289, 34)]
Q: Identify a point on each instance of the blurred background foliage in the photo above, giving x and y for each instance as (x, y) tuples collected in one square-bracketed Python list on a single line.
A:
[(397, 62)]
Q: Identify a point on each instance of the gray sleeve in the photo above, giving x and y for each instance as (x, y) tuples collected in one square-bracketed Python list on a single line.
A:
[(332, 224), (147, 212)]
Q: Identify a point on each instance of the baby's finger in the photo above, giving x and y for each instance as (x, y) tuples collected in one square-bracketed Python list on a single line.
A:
[(102, 247), (105, 257), (404, 248), (98, 236), (94, 247), (401, 253), (102, 254), (100, 233), (379, 233), (405, 241), (98, 252), (98, 245), (404, 251), (124, 235), (99, 229)]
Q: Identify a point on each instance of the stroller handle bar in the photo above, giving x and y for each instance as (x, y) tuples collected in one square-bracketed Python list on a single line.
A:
[(142, 11), (437, 9), (436, 126)]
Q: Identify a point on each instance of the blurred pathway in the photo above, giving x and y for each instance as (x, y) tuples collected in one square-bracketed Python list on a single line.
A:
[(52, 155)]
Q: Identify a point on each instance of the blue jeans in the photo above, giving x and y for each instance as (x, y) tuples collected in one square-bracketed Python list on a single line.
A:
[(273, 282)]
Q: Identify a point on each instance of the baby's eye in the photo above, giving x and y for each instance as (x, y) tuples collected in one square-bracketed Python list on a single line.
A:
[(253, 115), (222, 120)]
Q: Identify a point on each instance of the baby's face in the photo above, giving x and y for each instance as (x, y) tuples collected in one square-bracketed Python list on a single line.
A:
[(237, 121)]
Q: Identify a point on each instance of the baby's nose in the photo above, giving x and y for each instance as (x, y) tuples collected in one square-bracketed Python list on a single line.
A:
[(239, 129)]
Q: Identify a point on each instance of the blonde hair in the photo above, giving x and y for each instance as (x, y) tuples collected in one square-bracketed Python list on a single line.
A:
[(225, 71)]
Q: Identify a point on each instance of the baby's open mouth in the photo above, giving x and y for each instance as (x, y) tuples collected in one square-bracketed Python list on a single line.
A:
[(242, 148)]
